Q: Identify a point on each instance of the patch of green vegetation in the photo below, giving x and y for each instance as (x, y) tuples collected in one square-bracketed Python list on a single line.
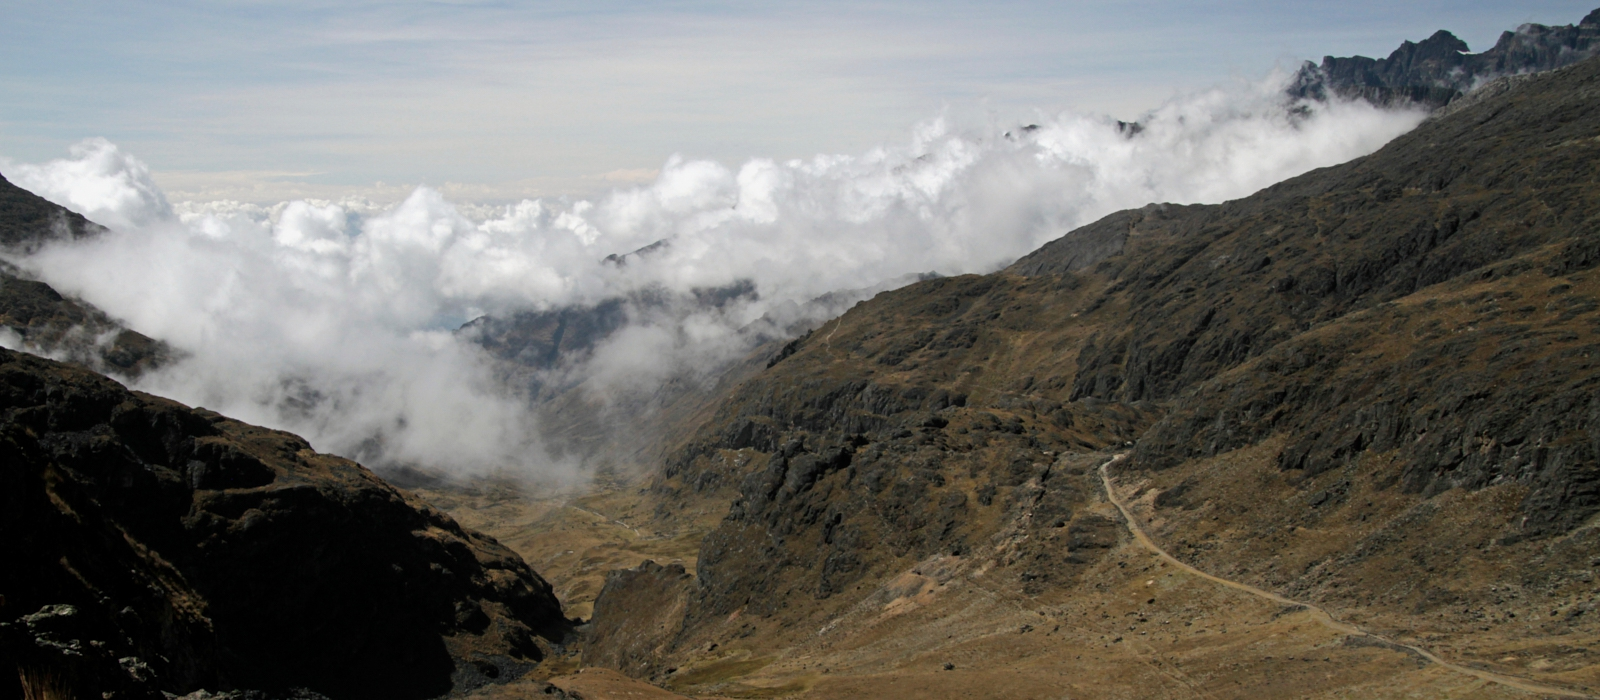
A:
[(773, 692), (719, 671)]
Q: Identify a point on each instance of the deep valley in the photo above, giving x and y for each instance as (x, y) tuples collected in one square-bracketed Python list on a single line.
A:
[(1339, 438)]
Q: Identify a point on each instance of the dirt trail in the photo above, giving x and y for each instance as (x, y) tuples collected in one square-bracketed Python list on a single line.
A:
[(827, 342), (608, 519), (1320, 615)]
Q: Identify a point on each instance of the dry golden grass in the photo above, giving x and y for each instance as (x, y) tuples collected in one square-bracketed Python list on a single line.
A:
[(573, 539), (1133, 627), (43, 684)]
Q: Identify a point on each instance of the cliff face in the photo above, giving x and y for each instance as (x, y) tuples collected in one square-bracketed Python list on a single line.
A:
[(1371, 385), (153, 547), (1439, 69)]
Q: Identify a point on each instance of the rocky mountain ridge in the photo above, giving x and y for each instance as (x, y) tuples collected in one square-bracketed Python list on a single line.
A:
[(1441, 68), (37, 318), (1395, 353), (28, 220), (151, 548)]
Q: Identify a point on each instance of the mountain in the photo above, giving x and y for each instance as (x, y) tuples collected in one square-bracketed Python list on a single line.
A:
[(544, 351), (1338, 437), (1441, 68), (1370, 388), (38, 318), (154, 547), (47, 323), (548, 357), (28, 220)]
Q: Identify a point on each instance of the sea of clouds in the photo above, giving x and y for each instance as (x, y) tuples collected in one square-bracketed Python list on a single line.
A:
[(335, 319)]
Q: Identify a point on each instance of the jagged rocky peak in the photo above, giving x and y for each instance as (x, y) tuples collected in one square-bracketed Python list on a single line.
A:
[(1441, 68), (1432, 73)]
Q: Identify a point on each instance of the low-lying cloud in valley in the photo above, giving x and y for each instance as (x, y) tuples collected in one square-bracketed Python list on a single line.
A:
[(336, 320)]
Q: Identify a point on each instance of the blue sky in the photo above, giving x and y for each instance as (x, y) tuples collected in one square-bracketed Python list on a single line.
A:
[(538, 98)]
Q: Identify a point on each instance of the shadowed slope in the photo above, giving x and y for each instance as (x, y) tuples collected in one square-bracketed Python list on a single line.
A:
[(206, 553), (28, 220)]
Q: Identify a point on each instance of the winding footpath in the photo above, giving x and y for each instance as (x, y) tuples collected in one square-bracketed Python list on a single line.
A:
[(608, 519), (1322, 616)]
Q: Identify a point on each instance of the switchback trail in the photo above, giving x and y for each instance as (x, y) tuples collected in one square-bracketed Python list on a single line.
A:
[(1317, 613)]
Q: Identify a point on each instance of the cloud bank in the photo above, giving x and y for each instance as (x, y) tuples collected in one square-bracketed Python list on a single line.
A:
[(335, 319)]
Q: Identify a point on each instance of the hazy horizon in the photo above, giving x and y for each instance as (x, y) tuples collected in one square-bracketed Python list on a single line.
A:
[(493, 101)]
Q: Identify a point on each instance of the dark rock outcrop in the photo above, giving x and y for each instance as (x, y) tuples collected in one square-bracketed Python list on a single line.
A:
[(638, 614), (1439, 69), (47, 323), (28, 220), (42, 319), (153, 547)]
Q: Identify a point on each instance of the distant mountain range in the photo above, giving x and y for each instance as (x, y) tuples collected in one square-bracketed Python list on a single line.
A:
[(1441, 68)]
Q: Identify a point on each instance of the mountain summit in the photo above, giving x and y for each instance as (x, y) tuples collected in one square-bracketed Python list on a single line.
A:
[(1441, 68)]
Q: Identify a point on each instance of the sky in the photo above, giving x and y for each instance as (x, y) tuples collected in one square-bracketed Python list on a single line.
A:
[(497, 101)]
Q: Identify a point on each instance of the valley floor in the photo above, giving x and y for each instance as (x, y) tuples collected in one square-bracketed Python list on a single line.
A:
[(1135, 625)]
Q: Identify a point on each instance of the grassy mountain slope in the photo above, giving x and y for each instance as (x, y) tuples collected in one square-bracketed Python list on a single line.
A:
[(1370, 385)]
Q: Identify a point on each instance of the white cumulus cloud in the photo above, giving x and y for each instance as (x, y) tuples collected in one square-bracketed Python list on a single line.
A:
[(332, 318)]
